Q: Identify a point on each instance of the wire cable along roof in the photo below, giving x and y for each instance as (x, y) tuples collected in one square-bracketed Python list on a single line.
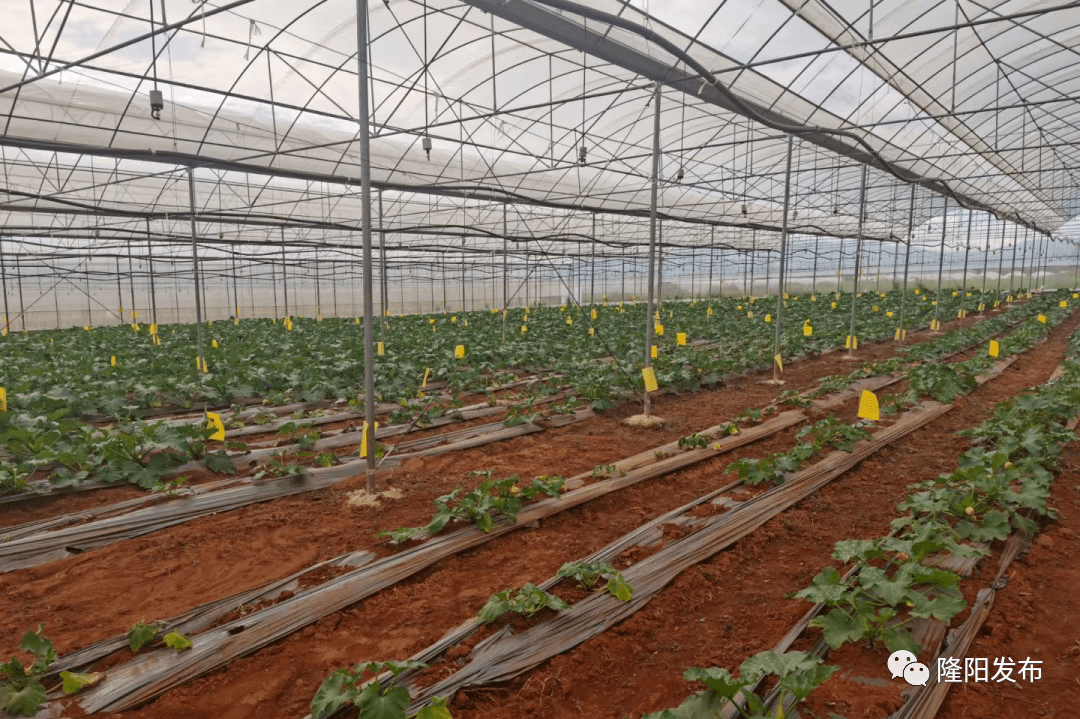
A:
[(536, 113)]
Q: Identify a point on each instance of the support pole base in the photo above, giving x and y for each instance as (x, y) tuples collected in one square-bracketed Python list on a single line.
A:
[(640, 420)]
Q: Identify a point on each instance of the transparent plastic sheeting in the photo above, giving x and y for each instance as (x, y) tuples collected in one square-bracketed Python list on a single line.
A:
[(272, 86)]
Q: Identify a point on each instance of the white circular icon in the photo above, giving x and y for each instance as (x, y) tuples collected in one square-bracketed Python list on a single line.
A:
[(898, 660), (916, 674)]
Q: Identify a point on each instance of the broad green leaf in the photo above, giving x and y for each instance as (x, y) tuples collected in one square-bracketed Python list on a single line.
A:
[(25, 701), (220, 462), (620, 588), (437, 710), (374, 704), (335, 692), (141, 634), (77, 682), (719, 680), (838, 627), (177, 642)]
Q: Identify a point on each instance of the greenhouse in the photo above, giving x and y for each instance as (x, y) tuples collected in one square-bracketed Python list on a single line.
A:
[(539, 358)]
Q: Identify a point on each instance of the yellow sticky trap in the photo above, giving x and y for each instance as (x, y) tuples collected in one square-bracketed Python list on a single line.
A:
[(768, 318), (813, 298), (465, 322), (453, 318), (363, 439), (1009, 298), (1064, 304), (709, 312), (995, 349), (779, 362), (786, 297), (135, 315), (889, 313), (3, 400), (807, 330), (650, 379), (900, 335), (236, 321), (955, 294), (380, 348), (833, 305), (112, 361), (1042, 318), (318, 317), (859, 295), (213, 421), (961, 314), (652, 351), (134, 327), (562, 308), (205, 369), (214, 343), (1076, 295), (934, 303), (358, 320), (459, 352), (592, 314), (873, 308), (570, 321), (592, 332), (749, 315), (916, 290), (659, 330), (852, 343), (427, 373), (739, 307), (982, 306), (87, 328), (680, 338), (524, 329), (868, 406)]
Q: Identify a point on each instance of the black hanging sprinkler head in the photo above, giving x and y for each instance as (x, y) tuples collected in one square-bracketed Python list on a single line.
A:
[(426, 144), (583, 153), (744, 208), (157, 104), (679, 177)]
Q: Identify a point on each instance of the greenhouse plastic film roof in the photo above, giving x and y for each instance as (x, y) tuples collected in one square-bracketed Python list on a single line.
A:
[(262, 97)]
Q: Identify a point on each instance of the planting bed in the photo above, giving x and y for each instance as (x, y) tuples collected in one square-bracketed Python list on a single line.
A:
[(717, 612)]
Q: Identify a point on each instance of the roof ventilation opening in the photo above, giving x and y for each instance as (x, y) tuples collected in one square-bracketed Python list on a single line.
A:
[(426, 144)]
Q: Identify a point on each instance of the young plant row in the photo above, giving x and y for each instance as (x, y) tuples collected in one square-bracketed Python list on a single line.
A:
[(1001, 484), (22, 687)]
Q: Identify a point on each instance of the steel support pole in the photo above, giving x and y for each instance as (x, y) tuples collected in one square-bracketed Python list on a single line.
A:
[(382, 267), (967, 251), (1001, 262), (1076, 272), (119, 292), (712, 257), (660, 262), (813, 278), (506, 291), (840, 265), (592, 264), (1023, 260), (365, 214), (284, 273), (1012, 272), (907, 262), (195, 271), (235, 289), (150, 264), (753, 259), (986, 261), (131, 281), (463, 272), (941, 258), (652, 233), (3, 285), (858, 249), (783, 254)]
